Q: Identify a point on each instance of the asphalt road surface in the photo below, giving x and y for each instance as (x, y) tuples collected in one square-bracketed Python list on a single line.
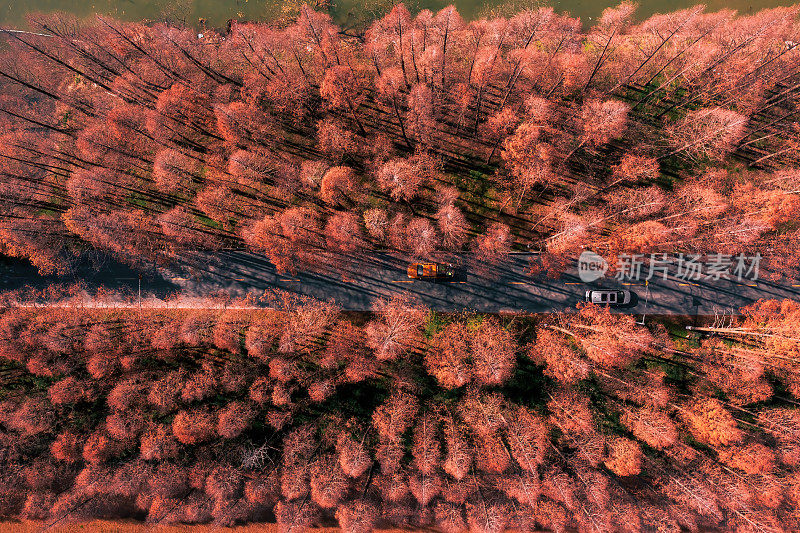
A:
[(361, 282)]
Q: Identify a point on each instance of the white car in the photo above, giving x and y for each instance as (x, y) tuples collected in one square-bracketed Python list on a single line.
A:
[(608, 297)]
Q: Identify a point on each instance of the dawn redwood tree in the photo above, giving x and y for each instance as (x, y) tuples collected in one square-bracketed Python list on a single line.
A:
[(651, 426), (334, 139), (158, 443), (531, 161), (194, 426), (67, 447), (306, 321), (354, 459), (174, 171), (358, 515), (233, 419), (401, 178), (328, 482), (421, 117), (452, 225), (346, 341), (560, 359), (634, 168), (426, 448), (251, 168), (493, 353), (458, 457), (377, 223), (711, 423), (611, 340), (390, 85), (343, 88), (398, 329), (393, 417), (710, 132), (492, 246), (448, 357), (421, 237), (338, 185), (343, 233), (624, 457), (603, 121)]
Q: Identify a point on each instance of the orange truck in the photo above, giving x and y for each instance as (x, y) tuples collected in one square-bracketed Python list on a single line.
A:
[(430, 271)]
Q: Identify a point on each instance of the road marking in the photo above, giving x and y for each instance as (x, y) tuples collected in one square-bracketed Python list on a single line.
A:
[(752, 284), (695, 284), (403, 281), (572, 283), (518, 282), (630, 283), (460, 281), (795, 285), (239, 279), (288, 280)]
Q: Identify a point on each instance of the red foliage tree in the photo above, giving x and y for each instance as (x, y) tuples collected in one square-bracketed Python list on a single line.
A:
[(421, 238), (32, 417), (335, 139), (158, 443), (458, 459), (174, 171), (343, 233), (67, 447), (527, 438), (125, 426), (603, 121), (426, 448), (353, 456), (395, 415), (358, 516), (633, 168), (399, 327), (233, 419), (201, 384), (528, 159), (494, 244), (453, 225), (425, 488), (70, 391), (624, 457), (401, 178), (651, 426), (710, 132), (448, 357), (493, 353), (194, 426), (711, 423), (338, 185), (99, 448), (164, 393), (328, 482), (262, 335), (377, 223), (560, 359)]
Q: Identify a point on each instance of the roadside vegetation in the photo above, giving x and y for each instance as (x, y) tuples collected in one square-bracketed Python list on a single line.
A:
[(420, 133), (303, 415)]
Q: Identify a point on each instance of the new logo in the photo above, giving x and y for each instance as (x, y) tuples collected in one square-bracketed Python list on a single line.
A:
[(591, 266)]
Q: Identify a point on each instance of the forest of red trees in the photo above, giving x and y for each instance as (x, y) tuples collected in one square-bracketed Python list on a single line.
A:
[(306, 415), (426, 132), (309, 144)]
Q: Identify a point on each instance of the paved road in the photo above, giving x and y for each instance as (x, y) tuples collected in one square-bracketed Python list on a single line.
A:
[(502, 289), (363, 281)]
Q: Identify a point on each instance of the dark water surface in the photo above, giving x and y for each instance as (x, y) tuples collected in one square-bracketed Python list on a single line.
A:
[(217, 12)]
